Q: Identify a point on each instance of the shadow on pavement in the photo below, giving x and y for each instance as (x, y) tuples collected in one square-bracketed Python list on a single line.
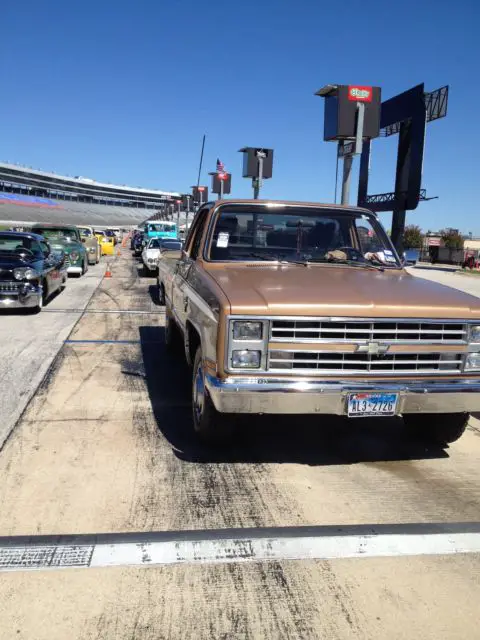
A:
[(312, 440), (444, 268)]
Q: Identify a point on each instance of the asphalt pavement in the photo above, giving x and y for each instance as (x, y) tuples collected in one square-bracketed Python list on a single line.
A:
[(29, 343), (105, 447)]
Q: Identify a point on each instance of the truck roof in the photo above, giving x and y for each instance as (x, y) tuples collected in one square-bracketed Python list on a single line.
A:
[(49, 225), (292, 203)]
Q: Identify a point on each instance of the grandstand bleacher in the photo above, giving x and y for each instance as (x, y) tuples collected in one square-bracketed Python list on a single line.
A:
[(28, 196)]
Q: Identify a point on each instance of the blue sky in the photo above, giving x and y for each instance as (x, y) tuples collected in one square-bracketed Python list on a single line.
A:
[(123, 91)]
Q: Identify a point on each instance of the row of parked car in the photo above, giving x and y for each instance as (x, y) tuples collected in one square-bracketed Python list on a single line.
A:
[(35, 264), (150, 249)]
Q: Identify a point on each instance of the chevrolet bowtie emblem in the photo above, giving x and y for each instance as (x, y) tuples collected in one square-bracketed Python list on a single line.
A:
[(373, 348)]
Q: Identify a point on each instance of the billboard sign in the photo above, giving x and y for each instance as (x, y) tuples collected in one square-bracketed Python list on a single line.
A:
[(359, 94)]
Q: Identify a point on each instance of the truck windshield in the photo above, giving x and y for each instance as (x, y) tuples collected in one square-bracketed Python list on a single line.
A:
[(51, 232), (161, 227), (16, 244), (300, 234)]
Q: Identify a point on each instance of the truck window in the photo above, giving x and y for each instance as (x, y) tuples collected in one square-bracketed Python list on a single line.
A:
[(198, 236)]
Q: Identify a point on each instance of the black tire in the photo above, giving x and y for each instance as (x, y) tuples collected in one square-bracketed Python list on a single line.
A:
[(173, 341), (439, 428), (161, 293), (210, 425)]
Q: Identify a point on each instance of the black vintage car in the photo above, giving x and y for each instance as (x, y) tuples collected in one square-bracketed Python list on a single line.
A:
[(29, 270), (138, 244)]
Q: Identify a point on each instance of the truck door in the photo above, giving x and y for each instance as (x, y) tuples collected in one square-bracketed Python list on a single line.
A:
[(192, 248)]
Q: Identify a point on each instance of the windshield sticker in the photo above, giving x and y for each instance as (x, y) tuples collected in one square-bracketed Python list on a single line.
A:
[(387, 252), (389, 258), (222, 240)]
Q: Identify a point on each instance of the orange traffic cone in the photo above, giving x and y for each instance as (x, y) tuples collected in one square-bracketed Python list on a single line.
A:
[(108, 273), (119, 253)]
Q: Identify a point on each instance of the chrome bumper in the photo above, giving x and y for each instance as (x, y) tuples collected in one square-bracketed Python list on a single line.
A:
[(150, 266), (21, 300), (267, 395), (72, 269)]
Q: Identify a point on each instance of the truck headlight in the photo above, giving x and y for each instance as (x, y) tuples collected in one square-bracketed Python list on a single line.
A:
[(246, 359), (92, 249), (474, 335), (25, 273), (74, 256), (472, 362), (247, 330)]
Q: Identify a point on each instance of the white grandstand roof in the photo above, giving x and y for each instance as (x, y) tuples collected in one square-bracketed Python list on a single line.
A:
[(80, 181), (74, 213)]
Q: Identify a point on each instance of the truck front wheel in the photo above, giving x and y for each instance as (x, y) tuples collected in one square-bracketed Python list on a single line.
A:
[(209, 424), (440, 428)]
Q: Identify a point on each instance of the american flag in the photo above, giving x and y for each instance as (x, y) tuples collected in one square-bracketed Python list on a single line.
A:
[(220, 166)]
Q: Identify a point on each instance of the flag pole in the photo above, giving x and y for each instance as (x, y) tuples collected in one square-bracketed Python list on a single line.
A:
[(201, 161)]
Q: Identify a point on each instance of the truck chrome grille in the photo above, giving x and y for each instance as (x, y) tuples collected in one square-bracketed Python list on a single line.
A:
[(10, 287), (358, 331), (333, 362)]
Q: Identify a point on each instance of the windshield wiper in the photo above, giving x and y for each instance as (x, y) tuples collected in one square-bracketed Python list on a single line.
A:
[(258, 256), (269, 258)]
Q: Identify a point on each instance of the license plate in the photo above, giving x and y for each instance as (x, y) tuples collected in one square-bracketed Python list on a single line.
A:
[(368, 405)]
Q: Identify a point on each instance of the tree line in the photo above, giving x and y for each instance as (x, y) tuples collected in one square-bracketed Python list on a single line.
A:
[(413, 238)]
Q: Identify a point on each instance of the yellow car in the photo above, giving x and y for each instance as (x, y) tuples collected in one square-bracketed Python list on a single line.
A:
[(107, 244)]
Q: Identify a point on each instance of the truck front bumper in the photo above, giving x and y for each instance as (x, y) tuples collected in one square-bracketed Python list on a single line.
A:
[(268, 395), (27, 298)]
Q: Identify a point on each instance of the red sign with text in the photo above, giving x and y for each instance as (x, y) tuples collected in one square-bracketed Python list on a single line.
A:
[(359, 94)]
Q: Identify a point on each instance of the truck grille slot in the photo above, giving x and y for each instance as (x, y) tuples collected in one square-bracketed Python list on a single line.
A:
[(351, 363), (9, 287), (364, 331)]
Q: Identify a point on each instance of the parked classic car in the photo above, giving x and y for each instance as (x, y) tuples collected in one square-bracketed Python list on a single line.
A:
[(66, 238), (302, 308), (150, 255), (30, 272), (107, 244), (134, 234), (152, 252), (411, 257), (138, 244), (91, 243), (110, 233)]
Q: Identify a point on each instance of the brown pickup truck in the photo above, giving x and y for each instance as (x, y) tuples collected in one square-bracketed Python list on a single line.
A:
[(303, 308)]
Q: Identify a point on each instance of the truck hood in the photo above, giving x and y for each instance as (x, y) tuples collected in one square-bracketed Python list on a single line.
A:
[(8, 263), (65, 245), (320, 290)]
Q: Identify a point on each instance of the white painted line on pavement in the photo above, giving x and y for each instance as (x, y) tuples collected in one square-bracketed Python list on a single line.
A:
[(226, 546), (160, 312)]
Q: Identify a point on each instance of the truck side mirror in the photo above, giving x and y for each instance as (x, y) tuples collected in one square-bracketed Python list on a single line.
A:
[(171, 254)]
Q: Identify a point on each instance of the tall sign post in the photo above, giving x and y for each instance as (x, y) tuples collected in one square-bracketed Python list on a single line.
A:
[(257, 165), (407, 115), (179, 205), (200, 195), (186, 198), (221, 180), (352, 114)]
